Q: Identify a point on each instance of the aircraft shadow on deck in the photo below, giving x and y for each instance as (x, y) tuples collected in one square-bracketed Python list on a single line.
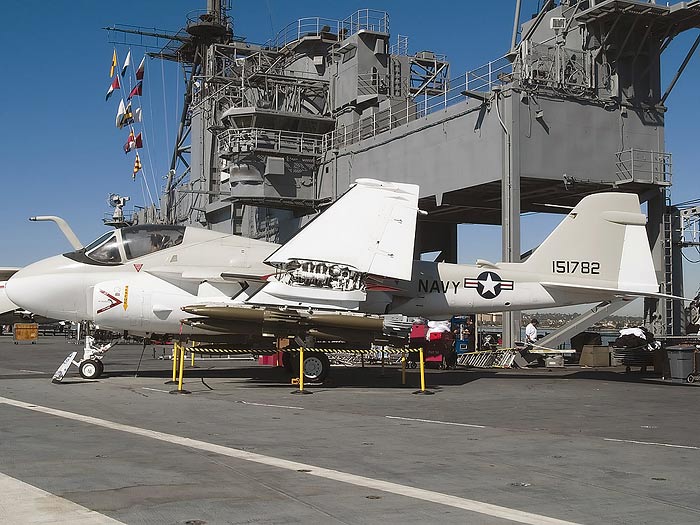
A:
[(372, 377)]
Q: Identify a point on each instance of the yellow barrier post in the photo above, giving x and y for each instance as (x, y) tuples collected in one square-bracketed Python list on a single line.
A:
[(301, 369), (176, 355), (301, 374), (403, 368), (382, 372), (422, 376), (181, 375), (422, 371)]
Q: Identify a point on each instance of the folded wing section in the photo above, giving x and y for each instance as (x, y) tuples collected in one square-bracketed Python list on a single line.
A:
[(370, 229)]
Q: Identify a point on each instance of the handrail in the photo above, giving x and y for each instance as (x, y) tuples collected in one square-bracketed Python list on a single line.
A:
[(279, 140), (363, 19), (637, 165), (483, 78)]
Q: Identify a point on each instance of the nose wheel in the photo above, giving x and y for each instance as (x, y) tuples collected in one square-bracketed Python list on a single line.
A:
[(91, 368)]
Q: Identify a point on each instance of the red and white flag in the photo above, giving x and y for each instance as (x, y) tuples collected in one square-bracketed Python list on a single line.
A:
[(141, 69), (138, 89), (115, 85)]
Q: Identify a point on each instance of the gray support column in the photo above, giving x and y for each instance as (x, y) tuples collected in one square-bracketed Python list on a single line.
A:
[(434, 237), (655, 309), (510, 200), (449, 251)]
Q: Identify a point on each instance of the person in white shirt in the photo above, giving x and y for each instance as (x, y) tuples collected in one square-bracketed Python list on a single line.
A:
[(531, 332)]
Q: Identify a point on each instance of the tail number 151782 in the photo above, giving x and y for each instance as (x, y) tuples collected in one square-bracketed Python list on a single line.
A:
[(583, 267)]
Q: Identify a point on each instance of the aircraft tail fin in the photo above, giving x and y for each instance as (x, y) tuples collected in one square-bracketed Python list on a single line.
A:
[(370, 229), (600, 245)]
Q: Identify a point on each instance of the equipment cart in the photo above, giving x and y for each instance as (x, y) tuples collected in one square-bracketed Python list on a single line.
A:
[(437, 343)]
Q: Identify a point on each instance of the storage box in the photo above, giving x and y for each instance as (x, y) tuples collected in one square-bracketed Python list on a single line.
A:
[(28, 332), (594, 355)]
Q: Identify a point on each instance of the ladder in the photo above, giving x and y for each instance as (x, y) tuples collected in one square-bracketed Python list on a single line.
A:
[(667, 221)]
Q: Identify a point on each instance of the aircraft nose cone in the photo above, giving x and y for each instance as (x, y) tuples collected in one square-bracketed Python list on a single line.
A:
[(24, 290), (44, 288)]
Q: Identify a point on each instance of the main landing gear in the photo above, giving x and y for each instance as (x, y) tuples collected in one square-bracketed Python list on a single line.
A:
[(317, 366)]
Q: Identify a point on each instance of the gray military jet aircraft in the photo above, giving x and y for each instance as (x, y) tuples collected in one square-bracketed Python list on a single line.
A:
[(333, 280)]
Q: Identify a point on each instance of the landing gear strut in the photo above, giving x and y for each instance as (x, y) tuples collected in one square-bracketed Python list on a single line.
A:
[(90, 366)]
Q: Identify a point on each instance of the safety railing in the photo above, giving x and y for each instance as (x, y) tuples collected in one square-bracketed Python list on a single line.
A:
[(241, 140), (370, 126), (400, 48), (364, 19), (482, 79), (202, 15), (371, 84), (651, 167)]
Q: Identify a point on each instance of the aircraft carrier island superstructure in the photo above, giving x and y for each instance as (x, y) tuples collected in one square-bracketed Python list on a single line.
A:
[(271, 133)]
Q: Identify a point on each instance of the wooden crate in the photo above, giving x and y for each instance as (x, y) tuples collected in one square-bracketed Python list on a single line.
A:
[(25, 332)]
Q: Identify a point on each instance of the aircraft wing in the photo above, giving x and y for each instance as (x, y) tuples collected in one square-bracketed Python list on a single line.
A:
[(617, 292), (214, 274), (6, 306), (6, 273)]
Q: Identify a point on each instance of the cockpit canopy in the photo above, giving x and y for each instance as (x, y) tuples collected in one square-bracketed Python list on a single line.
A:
[(119, 246)]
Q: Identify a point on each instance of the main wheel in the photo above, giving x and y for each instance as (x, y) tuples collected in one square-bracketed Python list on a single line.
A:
[(90, 369), (316, 367)]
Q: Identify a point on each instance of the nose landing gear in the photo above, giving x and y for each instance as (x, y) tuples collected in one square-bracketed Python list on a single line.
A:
[(90, 366)]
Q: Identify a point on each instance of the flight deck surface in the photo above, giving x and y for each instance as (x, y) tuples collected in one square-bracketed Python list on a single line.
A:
[(514, 446)]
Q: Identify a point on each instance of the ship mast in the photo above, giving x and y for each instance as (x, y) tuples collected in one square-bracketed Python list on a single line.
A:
[(188, 46)]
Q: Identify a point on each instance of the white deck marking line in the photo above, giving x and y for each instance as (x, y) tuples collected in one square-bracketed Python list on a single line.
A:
[(25, 503), (436, 422), (312, 470), (273, 406), (34, 372), (651, 443), (156, 390)]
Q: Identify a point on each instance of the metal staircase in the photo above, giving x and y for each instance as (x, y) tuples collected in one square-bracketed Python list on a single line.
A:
[(580, 323)]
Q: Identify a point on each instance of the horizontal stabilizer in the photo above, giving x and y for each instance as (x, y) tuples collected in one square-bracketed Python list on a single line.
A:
[(370, 229)]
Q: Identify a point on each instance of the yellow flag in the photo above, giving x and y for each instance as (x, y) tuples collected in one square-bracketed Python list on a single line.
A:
[(114, 64), (137, 166)]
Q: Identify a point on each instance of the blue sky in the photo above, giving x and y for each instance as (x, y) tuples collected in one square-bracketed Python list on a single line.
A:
[(62, 154)]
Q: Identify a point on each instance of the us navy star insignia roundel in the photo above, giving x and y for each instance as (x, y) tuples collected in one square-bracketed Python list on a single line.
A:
[(488, 284)]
